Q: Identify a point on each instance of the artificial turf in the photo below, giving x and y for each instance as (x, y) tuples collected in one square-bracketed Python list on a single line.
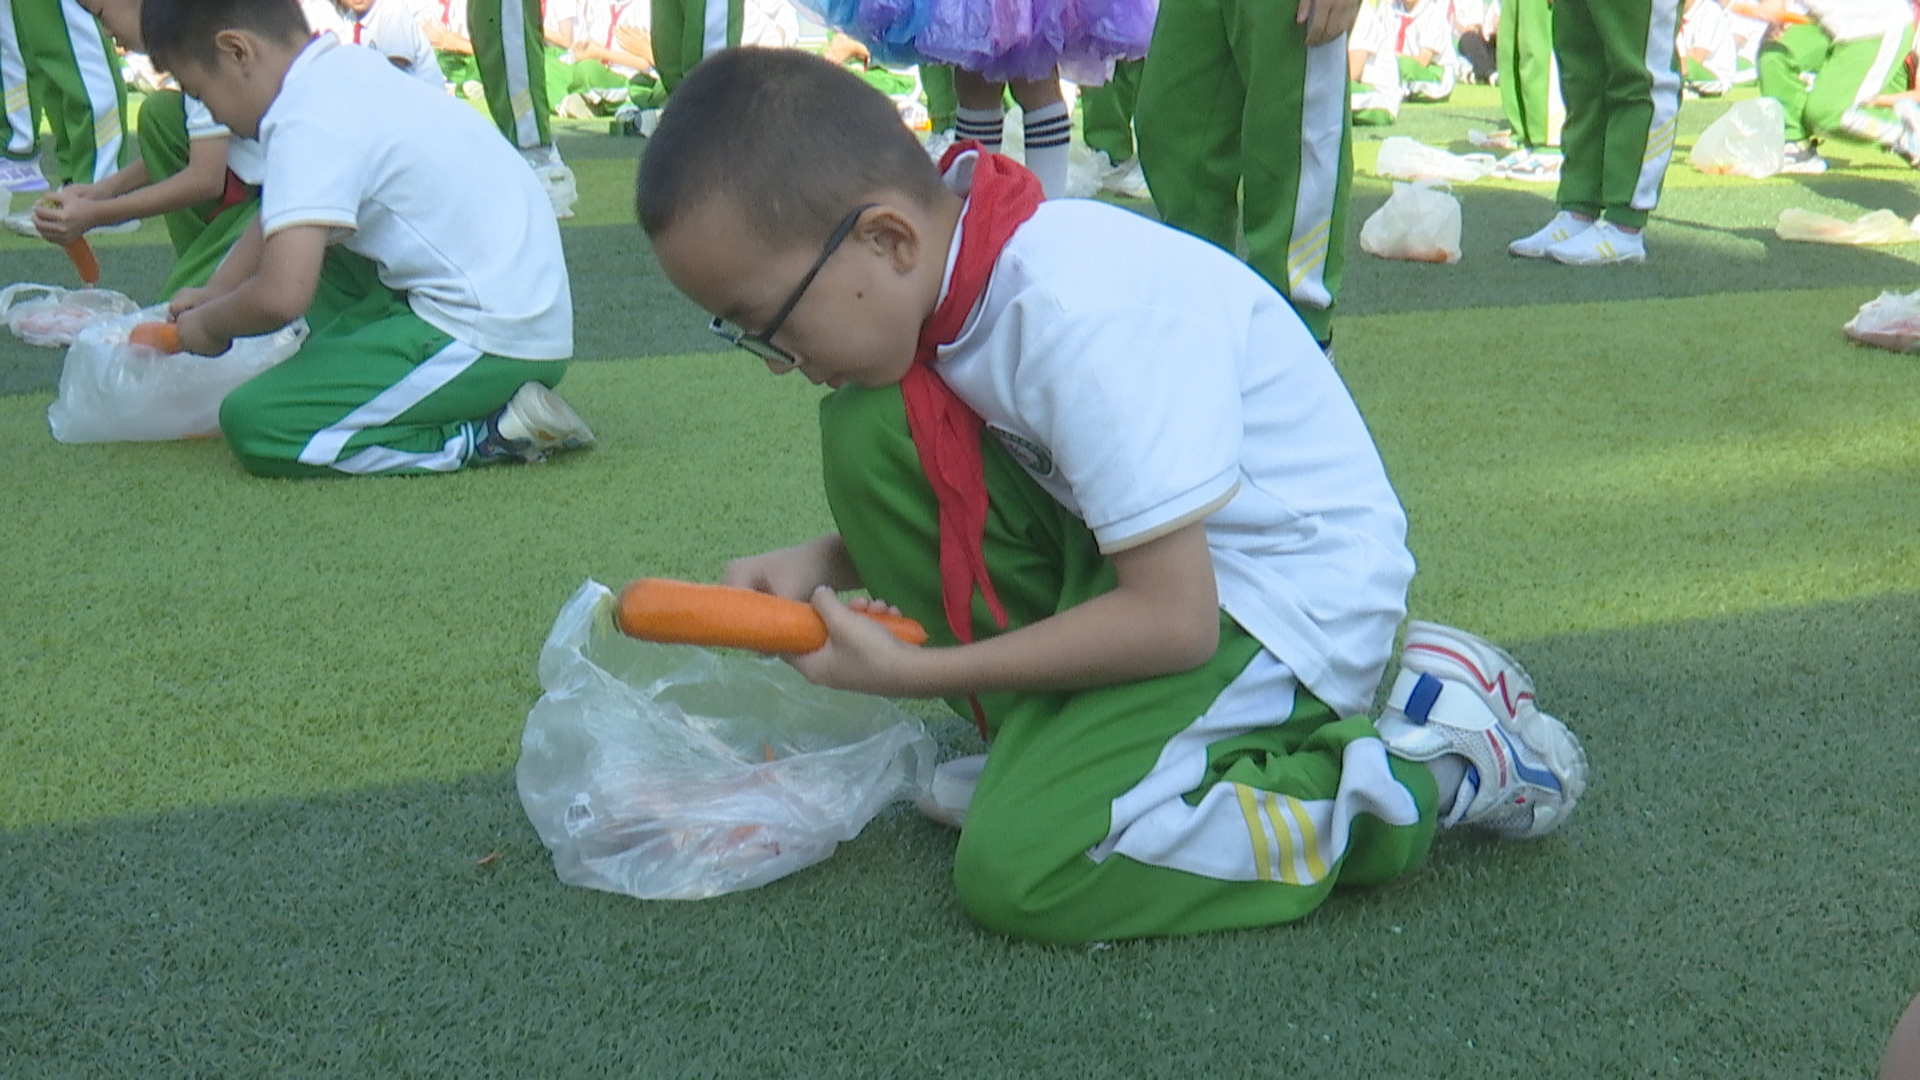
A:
[(259, 735)]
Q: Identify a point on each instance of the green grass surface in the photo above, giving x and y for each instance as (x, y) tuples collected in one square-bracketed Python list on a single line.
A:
[(258, 735)]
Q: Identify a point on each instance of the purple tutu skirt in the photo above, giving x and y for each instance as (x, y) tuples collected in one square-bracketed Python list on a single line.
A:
[(999, 39)]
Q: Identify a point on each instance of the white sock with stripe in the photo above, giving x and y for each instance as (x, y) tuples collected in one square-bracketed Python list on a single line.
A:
[(1048, 130), (981, 125)]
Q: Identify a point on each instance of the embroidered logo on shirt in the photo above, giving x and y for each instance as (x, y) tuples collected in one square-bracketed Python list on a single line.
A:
[(1031, 456)]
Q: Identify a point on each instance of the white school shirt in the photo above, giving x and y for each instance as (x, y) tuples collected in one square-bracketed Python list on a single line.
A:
[(1415, 32), (244, 157), (557, 17), (1147, 379), (390, 28), (1707, 26), (428, 190), (601, 21), (770, 24), (449, 15), (1372, 33), (1852, 20)]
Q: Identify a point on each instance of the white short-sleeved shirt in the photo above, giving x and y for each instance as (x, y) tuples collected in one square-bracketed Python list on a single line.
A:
[(770, 24), (389, 27), (1414, 32), (449, 15), (244, 157), (602, 20), (1147, 380), (1708, 26), (1851, 20), (1372, 34), (560, 16), (424, 187)]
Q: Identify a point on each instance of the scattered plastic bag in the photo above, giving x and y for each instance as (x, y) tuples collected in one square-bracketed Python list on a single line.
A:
[(673, 772), (112, 391), (1891, 322), (1878, 227), (1748, 139), (1420, 222), (1402, 158), (49, 315), (947, 798)]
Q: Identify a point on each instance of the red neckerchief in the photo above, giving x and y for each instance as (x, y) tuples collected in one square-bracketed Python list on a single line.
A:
[(613, 25), (946, 432)]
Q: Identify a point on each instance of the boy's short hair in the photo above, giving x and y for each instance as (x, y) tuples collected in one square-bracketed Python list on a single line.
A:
[(177, 30), (794, 141)]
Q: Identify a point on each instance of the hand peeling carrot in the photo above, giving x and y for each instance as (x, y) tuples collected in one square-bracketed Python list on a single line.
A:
[(657, 609), (164, 336)]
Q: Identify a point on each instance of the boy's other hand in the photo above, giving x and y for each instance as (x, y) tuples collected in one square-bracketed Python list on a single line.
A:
[(195, 338), (64, 216), (1326, 20), (187, 299), (860, 654), (794, 572)]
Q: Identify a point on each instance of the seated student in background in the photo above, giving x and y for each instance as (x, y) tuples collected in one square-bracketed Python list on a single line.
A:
[(1166, 591), (444, 22), (193, 173), (1476, 23), (439, 307), (1422, 33), (1707, 48), (389, 27), (1855, 50), (1374, 92)]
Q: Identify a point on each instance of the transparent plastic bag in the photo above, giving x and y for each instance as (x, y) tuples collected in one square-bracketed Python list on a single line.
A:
[(113, 391), (1749, 139), (1878, 227), (1420, 222), (49, 315), (670, 772), (1892, 321), (1402, 158)]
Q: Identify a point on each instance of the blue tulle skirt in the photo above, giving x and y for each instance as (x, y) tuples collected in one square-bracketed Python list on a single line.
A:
[(999, 39)]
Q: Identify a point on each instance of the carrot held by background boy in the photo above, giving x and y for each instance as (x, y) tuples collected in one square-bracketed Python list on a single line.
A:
[(1109, 469)]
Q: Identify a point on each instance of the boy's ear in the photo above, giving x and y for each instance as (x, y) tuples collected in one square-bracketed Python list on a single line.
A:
[(893, 236), (238, 46)]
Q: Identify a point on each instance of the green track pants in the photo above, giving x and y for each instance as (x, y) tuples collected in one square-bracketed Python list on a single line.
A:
[(1226, 796), (374, 390), (1846, 74), (511, 52), (687, 31), (1529, 78), (1620, 72), (1107, 111), (72, 77), (1226, 84), (202, 235)]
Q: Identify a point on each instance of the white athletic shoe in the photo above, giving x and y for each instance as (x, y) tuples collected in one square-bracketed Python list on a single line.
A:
[(131, 225), (22, 177), (1605, 244), (20, 224), (1124, 179), (1535, 246), (1803, 160), (533, 425), (1460, 694)]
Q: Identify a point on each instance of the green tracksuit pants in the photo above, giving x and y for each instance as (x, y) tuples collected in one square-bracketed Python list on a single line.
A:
[(687, 31), (1226, 796), (1620, 73), (943, 102), (375, 389), (1529, 79), (511, 52), (202, 235), (1107, 111), (1846, 75), (57, 62)]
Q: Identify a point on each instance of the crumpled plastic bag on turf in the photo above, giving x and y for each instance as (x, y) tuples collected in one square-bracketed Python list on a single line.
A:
[(1749, 139), (674, 772), (1891, 322), (48, 315), (114, 391), (1420, 222), (1878, 227), (1402, 158)]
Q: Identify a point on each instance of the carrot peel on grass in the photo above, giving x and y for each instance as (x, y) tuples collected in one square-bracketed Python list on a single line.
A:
[(682, 612)]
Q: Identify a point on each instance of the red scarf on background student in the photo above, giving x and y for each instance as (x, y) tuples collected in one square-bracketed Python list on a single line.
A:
[(946, 432)]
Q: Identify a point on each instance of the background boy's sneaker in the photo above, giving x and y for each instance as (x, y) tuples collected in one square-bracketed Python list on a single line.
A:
[(1124, 179), (1802, 159), (1460, 694), (1562, 226), (534, 424), (1605, 244), (22, 177)]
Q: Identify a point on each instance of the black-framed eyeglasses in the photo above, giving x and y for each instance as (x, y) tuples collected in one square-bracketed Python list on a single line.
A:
[(761, 344)]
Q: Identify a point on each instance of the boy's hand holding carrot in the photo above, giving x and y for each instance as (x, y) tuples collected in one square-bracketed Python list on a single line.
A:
[(65, 216), (860, 654)]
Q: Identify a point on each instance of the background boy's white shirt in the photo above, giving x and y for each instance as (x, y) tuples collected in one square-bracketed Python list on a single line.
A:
[(1707, 25), (1372, 34), (601, 21), (389, 27), (1427, 27), (244, 156), (449, 15), (386, 161), (771, 24), (1147, 380), (1852, 20)]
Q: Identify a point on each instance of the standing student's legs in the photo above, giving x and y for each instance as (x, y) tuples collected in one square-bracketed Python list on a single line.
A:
[(1583, 79), (1107, 112), (1528, 82), (936, 81), (23, 134), (1854, 73), (374, 390), (1187, 121), (1294, 189), (511, 54), (1221, 797), (1783, 58), (70, 60), (1642, 94)]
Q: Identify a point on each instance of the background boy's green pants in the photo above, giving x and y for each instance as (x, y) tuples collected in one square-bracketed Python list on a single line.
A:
[(1145, 809), (687, 31), (1846, 75), (511, 52), (72, 76), (202, 235), (1620, 73), (1529, 80), (374, 389), (1107, 111), (1242, 126)]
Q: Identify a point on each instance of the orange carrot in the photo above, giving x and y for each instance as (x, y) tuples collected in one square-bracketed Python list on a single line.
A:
[(81, 254), (1787, 18), (657, 609), (164, 336)]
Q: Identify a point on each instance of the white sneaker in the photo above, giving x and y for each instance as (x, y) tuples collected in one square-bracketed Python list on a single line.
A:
[(1562, 226), (1460, 694), (1803, 160), (131, 225), (533, 425), (1529, 167), (1124, 179), (22, 177), (556, 179), (21, 224), (1605, 244), (575, 107)]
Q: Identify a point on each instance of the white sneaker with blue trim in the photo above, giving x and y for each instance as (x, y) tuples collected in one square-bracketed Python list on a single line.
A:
[(1460, 694)]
